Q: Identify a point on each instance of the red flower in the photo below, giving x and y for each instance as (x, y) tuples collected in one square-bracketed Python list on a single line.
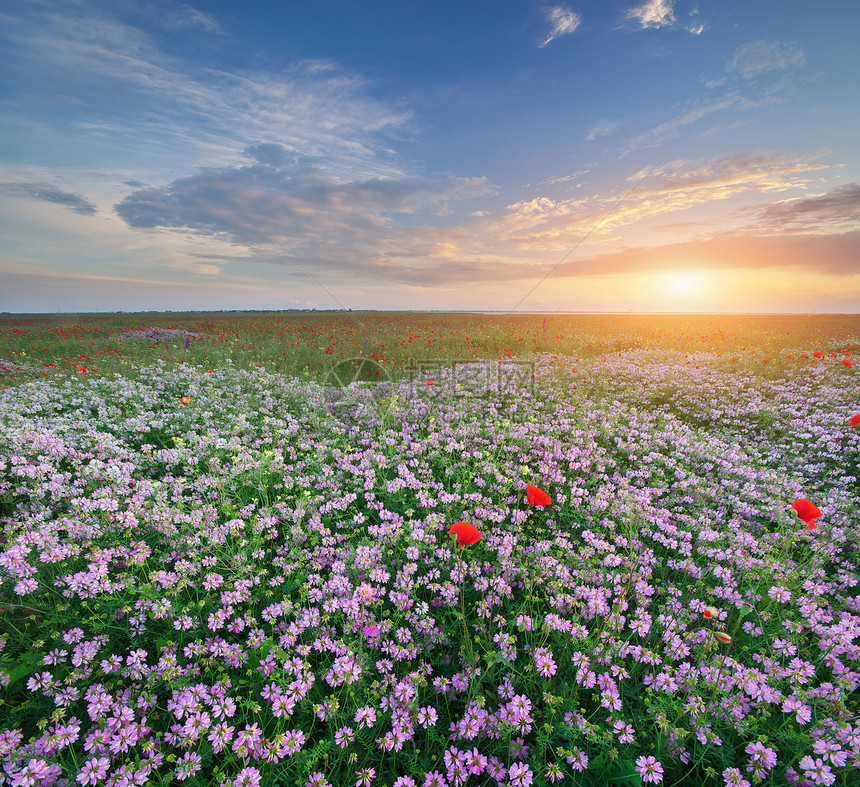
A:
[(855, 421), (537, 497), (185, 400), (430, 382), (466, 533), (818, 354), (807, 511), (847, 363)]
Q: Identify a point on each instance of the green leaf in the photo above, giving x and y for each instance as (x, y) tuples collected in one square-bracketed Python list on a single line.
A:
[(20, 671), (625, 773)]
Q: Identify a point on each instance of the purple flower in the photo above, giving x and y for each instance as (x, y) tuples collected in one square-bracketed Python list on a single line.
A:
[(649, 769), (435, 779), (188, 765), (93, 771), (248, 777)]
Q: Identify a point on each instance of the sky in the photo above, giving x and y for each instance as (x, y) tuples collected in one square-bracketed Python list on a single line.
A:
[(596, 155)]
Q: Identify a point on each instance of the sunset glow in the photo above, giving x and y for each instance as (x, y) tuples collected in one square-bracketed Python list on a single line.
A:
[(430, 156)]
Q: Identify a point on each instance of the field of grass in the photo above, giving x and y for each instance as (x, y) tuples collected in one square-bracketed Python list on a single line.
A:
[(403, 550)]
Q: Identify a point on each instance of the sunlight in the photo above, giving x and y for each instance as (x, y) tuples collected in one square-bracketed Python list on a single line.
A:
[(684, 283)]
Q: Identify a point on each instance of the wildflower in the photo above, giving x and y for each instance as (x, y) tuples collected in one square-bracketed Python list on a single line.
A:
[(734, 779), (537, 497), (817, 771), (249, 777), (427, 716), (365, 715), (343, 737), (435, 779), (520, 775), (553, 772), (93, 771), (466, 533), (366, 776), (476, 762), (855, 421), (317, 780), (847, 363), (189, 765), (807, 511), (185, 400), (649, 769), (818, 354)]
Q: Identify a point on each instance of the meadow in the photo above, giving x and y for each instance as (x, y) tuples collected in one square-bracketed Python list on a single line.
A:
[(311, 550)]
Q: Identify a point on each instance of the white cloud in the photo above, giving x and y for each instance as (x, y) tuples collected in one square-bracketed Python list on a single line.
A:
[(133, 98), (653, 13), (563, 21), (757, 57), (670, 127), (187, 17), (661, 13), (602, 128)]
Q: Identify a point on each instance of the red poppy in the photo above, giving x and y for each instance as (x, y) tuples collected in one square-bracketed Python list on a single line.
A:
[(537, 497), (711, 612), (855, 421), (185, 400), (807, 511), (430, 382), (466, 533), (818, 354), (847, 363)]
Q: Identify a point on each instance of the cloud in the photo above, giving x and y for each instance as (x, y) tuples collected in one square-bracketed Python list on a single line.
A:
[(669, 129), (757, 57), (284, 199), (543, 225), (603, 128), (661, 13), (48, 193), (837, 209), (834, 255), (563, 21), (653, 13), (125, 92), (187, 17)]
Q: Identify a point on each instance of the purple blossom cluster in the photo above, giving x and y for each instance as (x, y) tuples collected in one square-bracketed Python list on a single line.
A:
[(211, 627)]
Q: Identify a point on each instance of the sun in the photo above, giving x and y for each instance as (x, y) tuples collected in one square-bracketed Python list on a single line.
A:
[(684, 283)]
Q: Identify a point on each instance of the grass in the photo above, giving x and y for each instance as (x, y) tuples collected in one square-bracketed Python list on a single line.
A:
[(258, 584)]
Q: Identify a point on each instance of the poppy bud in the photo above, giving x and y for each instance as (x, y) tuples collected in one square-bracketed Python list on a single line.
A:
[(723, 637), (711, 612), (746, 609)]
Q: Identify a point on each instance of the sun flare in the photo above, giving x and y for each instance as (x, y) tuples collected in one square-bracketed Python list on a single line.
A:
[(684, 283)]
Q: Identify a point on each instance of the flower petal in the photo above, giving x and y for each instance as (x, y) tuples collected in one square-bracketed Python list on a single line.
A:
[(466, 533), (537, 497)]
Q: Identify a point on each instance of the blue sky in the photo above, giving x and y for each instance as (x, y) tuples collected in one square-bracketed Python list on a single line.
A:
[(585, 156)]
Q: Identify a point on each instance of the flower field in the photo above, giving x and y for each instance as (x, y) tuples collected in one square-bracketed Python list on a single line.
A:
[(636, 562)]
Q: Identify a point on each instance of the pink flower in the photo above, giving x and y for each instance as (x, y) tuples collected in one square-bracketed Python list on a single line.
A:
[(249, 777), (649, 769)]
